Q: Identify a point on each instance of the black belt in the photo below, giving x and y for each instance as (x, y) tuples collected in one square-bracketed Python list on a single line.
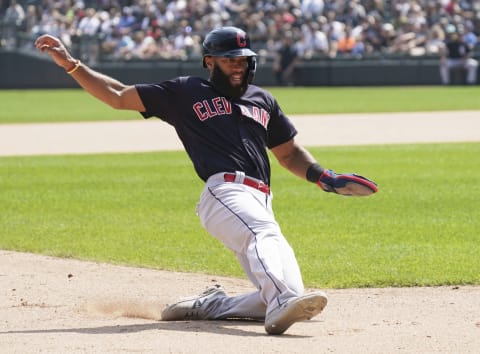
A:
[(261, 186)]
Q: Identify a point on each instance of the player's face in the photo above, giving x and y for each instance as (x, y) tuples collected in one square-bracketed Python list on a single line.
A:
[(229, 75), (234, 69)]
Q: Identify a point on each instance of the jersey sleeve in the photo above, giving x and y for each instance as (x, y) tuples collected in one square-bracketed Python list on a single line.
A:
[(280, 129), (160, 100)]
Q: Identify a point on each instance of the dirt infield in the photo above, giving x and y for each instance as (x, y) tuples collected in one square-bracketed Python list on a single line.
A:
[(325, 130), (52, 305)]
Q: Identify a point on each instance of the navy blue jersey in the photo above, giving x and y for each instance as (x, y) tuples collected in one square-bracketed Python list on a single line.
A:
[(457, 49), (220, 134)]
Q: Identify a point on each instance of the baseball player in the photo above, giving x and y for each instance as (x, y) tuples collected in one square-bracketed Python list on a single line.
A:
[(226, 125), (456, 53)]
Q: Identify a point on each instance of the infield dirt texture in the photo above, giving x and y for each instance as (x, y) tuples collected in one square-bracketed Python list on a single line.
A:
[(52, 305)]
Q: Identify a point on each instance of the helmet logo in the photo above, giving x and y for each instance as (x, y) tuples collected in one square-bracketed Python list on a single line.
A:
[(241, 39)]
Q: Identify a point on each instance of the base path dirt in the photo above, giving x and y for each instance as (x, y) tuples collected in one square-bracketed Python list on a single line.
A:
[(54, 305), (154, 135)]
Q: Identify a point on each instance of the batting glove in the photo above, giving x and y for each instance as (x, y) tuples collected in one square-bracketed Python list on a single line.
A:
[(346, 184)]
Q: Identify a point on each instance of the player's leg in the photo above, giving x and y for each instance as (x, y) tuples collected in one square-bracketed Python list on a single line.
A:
[(471, 65), (252, 305), (245, 306), (445, 72), (241, 218)]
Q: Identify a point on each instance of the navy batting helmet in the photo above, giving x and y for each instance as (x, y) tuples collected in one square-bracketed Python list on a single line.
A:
[(230, 42)]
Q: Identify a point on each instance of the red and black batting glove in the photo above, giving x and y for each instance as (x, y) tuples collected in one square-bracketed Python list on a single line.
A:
[(348, 184)]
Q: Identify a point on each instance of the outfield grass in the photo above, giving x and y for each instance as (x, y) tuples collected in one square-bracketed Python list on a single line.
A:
[(377, 99), (139, 209), (39, 106), (24, 106)]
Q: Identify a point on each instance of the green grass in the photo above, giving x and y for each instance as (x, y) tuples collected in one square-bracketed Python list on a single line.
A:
[(23, 106), (377, 99), (38, 106), (139, 209)]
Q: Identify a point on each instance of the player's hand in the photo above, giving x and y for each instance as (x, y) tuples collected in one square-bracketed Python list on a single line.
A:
[(55, 48), (346, 184)]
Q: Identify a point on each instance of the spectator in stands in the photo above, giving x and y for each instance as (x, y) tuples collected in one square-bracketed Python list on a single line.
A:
[(456, 54), (89, 24), (388, 36), (372, 30), (351, 14), (417, 45), (434, 12), (122, 44), (332, 25), (266, 20), (332, 38), (141, 48), (256, 28), (312, 8), (164, 15), (127, 22), (108, 20), (184, 43), (88, 29), (111, 43), (404, 40), (314, 42), (346, 43), (31, 19), (469, 37), (12, 22), (49, 23), (435, 40)]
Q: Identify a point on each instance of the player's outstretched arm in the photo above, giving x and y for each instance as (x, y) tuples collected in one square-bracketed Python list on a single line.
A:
[(300, 162), (293, 157), (105, 88)]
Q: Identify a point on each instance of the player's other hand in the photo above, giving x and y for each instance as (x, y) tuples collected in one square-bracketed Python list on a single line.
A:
[(55, 48), (346, 184)]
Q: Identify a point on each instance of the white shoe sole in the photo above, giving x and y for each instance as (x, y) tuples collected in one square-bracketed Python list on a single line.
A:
[(300, 309)]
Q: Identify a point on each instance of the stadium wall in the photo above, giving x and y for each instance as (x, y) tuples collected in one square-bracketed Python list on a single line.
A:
[(27, 71)]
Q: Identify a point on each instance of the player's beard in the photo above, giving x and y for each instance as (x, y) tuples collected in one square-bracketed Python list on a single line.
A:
[(222, 83)]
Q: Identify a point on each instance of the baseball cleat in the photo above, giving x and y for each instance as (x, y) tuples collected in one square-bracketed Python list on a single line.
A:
[(296, 310), (192, 308)]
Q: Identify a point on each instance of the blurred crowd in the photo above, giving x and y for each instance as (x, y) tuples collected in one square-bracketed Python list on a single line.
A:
[(158, 29)]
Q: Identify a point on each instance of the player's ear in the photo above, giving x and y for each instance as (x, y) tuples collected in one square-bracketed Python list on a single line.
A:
[(209, 62)]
